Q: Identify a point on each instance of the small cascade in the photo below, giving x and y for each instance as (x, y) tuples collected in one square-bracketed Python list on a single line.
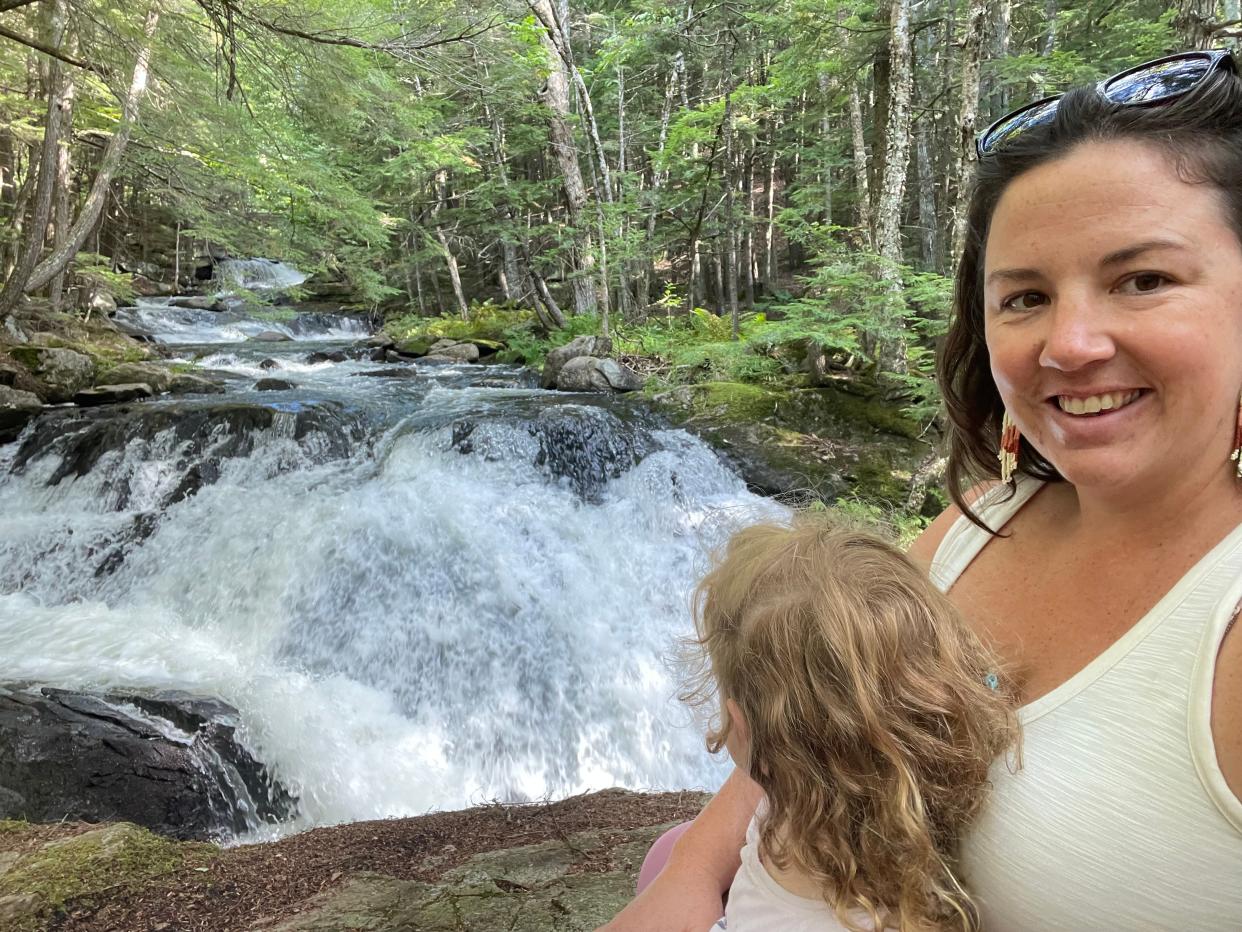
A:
[(264, 275)]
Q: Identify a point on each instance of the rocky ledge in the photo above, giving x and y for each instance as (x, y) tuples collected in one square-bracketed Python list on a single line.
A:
[(559, 867)]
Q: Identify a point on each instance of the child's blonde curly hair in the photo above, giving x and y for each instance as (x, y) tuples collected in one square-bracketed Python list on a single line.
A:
[(873, 711)]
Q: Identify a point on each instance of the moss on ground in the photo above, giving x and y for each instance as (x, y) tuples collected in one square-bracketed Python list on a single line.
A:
[(42, 881)]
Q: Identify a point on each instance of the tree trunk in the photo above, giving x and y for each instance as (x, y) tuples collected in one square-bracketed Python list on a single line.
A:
[(58, 102), (866, 223), (450, 260), (825, 140), (1049, 43), (769, 230), (555, 96), (730, 256), (892, 355), (928, 222), (968, 112), (89, 213), (1193, 21)]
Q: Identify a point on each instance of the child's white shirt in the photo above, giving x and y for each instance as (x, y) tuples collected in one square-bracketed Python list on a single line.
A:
[(757, 903)]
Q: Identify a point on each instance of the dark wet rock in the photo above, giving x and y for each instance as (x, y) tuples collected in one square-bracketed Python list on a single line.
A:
[(585, 447), (591, 374), (147, 288), (17, 409), (273, 385), (579, 346), (169, 762), (112, 394), (322, 356), (405, 372), (184, 383), (134, 333), (271, 336), (269, 364), (203, 433)]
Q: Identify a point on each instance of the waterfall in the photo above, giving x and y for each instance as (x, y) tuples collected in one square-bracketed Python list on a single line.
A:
[(418, 593), (257, 274)]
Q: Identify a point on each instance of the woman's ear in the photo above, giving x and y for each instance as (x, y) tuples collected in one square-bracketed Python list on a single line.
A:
[(738, 742)]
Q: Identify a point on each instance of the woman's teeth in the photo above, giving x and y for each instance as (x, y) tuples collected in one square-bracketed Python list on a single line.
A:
[(1094, 404)]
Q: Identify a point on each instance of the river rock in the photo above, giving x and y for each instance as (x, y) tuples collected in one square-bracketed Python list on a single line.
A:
[(158, 377), (405, 372), (321, 356), (269, 364), (460, 352), (591, 374), (417, 346), (112, 394), (102, 303), (579, 346), (61, 372), (148, 288), (183, 383), (199, 303), (16, 410), (169, 762), (273, 385), (271, 336)]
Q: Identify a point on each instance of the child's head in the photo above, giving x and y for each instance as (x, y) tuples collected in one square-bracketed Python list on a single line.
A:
[(852, 693)]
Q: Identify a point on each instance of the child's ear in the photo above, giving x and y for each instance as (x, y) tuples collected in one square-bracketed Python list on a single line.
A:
[(737, 722)]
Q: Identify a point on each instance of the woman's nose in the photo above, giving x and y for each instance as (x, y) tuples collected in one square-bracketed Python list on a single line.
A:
[(1075, 336)]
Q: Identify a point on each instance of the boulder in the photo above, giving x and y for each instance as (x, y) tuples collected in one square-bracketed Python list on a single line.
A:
[(273, 385), (456, 350), (271, 336), (112, 394), (405, 372), (185, 384), (157, 377), (438, 360), (591, 374), (102, 303), (61, 372), (321, 356), (174, 767), (418, 346), (198, 303), (147, 288), (579, 346), (16, 410), (269, 364)]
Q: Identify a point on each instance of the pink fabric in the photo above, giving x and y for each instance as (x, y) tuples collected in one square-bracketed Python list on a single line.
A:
[(657, 857)]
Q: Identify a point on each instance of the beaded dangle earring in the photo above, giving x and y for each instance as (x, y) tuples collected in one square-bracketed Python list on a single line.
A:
[(1237, 441), (1010, 439)]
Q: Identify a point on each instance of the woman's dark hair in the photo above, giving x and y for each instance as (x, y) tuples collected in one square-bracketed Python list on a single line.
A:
[(1201, 133)]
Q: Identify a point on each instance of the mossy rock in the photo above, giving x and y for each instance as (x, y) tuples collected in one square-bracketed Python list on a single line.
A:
[(45, 876), (415, 346)]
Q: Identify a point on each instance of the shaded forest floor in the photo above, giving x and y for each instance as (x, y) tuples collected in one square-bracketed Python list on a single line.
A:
[(568, 865)]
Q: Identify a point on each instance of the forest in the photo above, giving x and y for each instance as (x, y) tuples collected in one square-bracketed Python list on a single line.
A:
[(796, 169)]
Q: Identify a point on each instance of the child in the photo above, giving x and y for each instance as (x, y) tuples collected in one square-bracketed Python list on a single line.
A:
[(852, 693)]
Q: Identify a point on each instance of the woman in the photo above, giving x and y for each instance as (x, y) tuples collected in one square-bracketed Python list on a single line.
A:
[(1099, 320)]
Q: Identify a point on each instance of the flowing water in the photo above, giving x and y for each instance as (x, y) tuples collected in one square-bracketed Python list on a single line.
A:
[(419, 592)]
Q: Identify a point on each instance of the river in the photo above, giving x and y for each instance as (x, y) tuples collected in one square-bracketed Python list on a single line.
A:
[(420, 591)]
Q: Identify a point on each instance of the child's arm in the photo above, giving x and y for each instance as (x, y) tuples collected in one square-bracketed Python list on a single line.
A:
[(686, 896)]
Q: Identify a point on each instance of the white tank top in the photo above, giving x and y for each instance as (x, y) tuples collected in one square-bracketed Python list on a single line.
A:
[(1120, 818)]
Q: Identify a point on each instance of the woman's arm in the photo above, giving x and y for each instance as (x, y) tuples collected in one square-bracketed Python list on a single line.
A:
[(686, 896)]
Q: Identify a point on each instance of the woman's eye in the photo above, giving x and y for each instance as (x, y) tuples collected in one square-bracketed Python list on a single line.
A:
[(1026, 301), (1143, 283)]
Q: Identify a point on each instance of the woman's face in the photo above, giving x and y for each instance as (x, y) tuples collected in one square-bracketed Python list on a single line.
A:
[(1113, 316)]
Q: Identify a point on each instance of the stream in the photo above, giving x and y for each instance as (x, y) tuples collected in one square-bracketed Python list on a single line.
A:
[(422, 590)]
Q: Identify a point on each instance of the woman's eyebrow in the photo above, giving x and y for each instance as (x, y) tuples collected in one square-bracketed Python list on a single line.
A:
[(1133, 252), (1011, 275)]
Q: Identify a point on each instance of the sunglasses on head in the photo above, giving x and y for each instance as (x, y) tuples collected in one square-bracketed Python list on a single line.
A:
[(1152, 82)]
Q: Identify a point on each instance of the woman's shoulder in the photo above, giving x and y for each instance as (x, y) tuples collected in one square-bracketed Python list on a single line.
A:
[(926, 544)]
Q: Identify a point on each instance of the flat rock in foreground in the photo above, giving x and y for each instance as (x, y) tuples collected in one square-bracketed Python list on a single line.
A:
[(549, 867)]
